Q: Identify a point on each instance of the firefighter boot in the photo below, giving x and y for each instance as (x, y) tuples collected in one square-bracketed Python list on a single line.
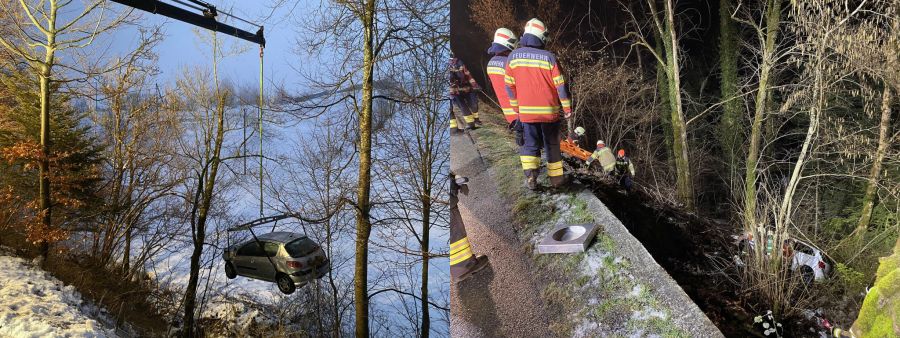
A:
[(475, 264), (559, 182), (470, 122), (531, 179), (454, 126), (477, 120)]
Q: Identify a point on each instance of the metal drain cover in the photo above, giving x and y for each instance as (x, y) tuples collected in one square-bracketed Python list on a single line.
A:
[(568, 238)]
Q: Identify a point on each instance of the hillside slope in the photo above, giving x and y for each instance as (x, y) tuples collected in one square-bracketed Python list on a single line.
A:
[(35, 304)]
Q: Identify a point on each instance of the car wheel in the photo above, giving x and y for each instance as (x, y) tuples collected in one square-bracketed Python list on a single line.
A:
[(229, 270), (807, 275), (285, 284)]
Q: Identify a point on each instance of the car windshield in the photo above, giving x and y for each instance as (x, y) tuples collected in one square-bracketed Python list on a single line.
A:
[(301, 247)]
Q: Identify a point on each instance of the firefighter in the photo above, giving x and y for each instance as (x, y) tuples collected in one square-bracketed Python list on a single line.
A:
[(504, 42), (605, 155), (624, 170), (463, 263), (462, 93), (575, 135), (537, 91)]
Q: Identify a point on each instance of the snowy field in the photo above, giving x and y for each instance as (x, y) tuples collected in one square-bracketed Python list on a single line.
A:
[(35, 304)]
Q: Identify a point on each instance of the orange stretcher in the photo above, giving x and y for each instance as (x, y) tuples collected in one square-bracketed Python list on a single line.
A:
[(572, 149)]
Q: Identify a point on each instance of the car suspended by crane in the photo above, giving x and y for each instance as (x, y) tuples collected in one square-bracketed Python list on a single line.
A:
[(286, 258)]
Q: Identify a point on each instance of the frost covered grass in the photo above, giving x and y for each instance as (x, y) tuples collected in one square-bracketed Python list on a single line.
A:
[(35, 304), (594, 290)]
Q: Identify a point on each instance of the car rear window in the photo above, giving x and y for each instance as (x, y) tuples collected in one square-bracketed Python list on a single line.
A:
[(301, 247)]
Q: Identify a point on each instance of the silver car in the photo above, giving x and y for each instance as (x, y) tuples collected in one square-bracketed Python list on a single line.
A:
[(286, 258)]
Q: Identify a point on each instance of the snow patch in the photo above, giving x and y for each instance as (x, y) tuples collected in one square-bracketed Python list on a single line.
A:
[(35, 304)]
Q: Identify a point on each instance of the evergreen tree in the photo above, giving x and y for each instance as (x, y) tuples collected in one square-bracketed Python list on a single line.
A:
[(73, 164)]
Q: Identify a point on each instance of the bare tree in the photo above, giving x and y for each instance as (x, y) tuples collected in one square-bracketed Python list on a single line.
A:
[(381, 34), (767, 34), (418, 159), (137, 135), (207, 101), (667, 58)]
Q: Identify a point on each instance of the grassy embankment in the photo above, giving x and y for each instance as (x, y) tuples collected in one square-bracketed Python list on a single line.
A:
[(591, 287)]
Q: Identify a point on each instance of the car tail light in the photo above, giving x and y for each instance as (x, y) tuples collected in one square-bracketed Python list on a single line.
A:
[(294, 265), (822, 265)]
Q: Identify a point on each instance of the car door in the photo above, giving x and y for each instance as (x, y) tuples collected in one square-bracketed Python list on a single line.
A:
[(265, 265), (247, 259)]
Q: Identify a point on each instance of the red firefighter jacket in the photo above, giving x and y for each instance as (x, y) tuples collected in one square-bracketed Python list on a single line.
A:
[(536, 86), (496, 69)]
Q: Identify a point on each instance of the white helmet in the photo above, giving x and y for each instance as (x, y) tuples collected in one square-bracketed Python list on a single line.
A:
[(600, 143), (506, 38), (579, 131), (536, 27)]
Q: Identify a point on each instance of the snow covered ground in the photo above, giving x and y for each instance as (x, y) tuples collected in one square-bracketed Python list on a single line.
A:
[(35, 304)]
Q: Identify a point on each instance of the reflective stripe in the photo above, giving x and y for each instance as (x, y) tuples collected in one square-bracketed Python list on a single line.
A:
[(555, 172), (457, 250), (496, 71), (509, 111), (509, 80), (459, 243), (566, 103), (469, 118), (527, 63), (555, 169), (475, 114), (513, 102), (464, 252), (462, 258), (453, 123), (538, 109), (559, 80), (530, 162)]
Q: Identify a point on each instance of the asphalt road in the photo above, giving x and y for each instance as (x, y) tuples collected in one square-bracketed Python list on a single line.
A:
[(504, 299)]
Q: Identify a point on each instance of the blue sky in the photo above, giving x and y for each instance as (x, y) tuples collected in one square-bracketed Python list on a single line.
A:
[(181, 47)]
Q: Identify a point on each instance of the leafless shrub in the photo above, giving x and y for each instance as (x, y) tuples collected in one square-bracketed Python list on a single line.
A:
[(492, 14), (616, 104)]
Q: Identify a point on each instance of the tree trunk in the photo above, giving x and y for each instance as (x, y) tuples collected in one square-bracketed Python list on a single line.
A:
[(883, 145), (200, 231), (190, 294), (730, 124), (773, 19), (815, 113), (426, 229), (126, 255), (44, 164), (363, 223), (683, 182), (207, 182), (662, 87)]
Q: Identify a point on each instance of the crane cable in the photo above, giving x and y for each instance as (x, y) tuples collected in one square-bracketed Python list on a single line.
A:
[(261, 131)]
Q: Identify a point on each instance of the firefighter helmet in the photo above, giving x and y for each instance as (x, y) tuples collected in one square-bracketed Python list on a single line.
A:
[(536, 27), (579, 131), (505, 38), (601, 143)]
